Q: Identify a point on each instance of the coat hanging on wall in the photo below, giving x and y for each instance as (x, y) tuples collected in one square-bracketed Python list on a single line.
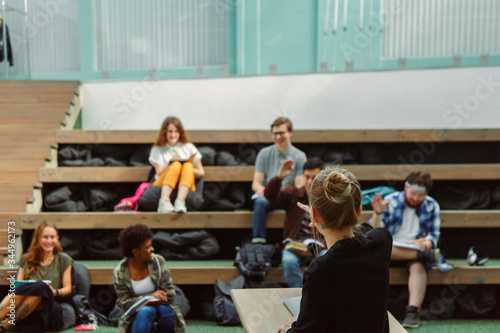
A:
[(2, 43)]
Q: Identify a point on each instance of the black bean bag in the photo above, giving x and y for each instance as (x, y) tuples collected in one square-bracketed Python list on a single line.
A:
[(225, 158), (224, 196), (148, 201), (140, 156), (463, 196), (370, 153), (103, 245), (191, 245), (71, 242), (66, 198), (208, 155), (121, 152)]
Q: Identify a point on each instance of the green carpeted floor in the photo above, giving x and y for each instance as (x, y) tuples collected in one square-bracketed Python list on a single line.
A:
[(438, 326), (229, 263), (226, 263)]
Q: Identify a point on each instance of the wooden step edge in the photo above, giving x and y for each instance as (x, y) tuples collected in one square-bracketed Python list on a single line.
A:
[(221, 220), (207, 275)]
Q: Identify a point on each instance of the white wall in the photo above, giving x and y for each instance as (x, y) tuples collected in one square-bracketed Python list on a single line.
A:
[(439, 98)]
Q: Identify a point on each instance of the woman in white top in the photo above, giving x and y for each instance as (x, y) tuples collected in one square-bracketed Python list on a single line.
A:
[(177, 163), (140, 274)]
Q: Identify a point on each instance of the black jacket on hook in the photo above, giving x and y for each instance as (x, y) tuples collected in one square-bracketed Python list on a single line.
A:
[(9, 47)]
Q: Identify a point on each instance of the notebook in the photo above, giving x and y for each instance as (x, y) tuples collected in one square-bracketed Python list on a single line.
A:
[(293, 305)]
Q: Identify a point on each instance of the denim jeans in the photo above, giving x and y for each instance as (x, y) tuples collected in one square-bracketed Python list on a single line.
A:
[(291, 268), (147, 314), (261, 207)]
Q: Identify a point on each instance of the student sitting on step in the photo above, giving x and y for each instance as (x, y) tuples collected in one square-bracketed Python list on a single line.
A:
[(46, 264), (142, 273), (414, 220), (177, 163), (267, 164), (296, 220)]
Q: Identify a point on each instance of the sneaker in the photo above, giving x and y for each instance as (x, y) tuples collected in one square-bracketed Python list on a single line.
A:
[(165, 206), (180, 206), (429, 256), (258, 240), (412, 318)]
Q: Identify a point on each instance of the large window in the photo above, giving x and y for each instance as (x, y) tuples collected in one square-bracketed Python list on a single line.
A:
[(159, 34)]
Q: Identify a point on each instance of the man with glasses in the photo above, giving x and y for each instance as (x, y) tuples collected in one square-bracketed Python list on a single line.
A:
[(267, 164), (414, 221)]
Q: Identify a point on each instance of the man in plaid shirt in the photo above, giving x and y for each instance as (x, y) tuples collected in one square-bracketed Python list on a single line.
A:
[(414, 221)]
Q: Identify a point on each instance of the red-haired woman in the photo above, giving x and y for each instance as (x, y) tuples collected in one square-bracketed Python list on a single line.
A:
[(177, 163), (45, 262)]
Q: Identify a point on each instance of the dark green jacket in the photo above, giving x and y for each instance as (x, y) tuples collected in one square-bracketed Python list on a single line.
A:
[(160, 275)]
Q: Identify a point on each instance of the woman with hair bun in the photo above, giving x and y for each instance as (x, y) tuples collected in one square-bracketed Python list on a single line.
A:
[(347, 289)]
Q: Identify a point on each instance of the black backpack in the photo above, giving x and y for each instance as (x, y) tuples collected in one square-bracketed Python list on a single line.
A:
[(255, 260), (225, 313)]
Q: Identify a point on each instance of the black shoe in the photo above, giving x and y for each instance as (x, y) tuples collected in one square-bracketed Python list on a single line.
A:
[(412, 318), (429, 256)]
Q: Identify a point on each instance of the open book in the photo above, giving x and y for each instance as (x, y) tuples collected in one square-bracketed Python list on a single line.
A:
[(151, 300), (183, 160), (301, 248), (298, 248), (18, 282), (293, 305), (406, 246)]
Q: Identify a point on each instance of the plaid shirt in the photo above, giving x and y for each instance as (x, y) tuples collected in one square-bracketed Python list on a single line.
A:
[(428, 214)]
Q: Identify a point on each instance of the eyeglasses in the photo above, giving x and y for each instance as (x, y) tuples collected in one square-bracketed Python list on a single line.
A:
[(416, 195), (279, 133)]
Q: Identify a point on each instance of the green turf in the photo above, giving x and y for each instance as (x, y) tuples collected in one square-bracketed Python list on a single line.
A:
[(170, 263), (226, 263), (229, 263), (437, 326)]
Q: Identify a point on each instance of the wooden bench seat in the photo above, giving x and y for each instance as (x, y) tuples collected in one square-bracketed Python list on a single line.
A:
[(386, 172), (206, 272), (222, 220), (299, 136)]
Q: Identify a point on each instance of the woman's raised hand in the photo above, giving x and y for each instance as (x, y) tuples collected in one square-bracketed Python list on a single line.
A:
[(306, 208)]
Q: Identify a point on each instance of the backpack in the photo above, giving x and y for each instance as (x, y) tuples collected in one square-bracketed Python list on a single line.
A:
[(255, 260), (225, 313)]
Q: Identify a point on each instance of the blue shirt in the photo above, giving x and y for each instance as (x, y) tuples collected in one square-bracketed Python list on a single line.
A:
[(428, 213)]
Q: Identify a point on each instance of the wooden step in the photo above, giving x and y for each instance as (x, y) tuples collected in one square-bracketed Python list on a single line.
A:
[(21, 129), (24, 153), (222, 220), (17, 206), (299, 136), (36, 97), (386, 172), (20, 166), (205, 273), (25, 177)]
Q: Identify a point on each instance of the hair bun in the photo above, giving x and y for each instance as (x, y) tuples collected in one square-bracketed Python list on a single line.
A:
[(337, 187)]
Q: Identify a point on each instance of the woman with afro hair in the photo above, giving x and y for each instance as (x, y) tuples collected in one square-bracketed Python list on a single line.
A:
[(142, 273)]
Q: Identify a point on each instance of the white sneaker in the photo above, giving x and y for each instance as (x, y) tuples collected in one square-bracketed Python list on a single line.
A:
[(165, 206), (180, 206)]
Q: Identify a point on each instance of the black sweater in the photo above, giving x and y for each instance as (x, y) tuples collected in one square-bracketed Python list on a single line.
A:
[(347, 289)]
